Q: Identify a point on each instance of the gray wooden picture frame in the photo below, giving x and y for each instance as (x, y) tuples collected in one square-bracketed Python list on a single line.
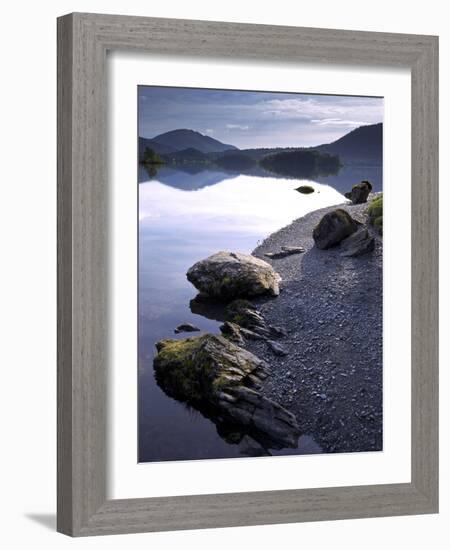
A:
[(83, 41)]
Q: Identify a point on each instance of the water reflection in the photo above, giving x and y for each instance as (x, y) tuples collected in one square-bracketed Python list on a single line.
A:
[(186, 215)]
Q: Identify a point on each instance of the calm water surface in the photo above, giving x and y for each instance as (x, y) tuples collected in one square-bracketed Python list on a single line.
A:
[(185, 216)]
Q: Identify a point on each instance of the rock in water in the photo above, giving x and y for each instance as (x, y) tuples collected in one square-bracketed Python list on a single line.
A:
[(359, 192), (333, 228), (228, 275), (222, 381), (305, 189), (186, 327), (358, 243)]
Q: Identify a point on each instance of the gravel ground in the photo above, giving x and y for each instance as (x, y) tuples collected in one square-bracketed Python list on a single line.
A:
[(331, 309)]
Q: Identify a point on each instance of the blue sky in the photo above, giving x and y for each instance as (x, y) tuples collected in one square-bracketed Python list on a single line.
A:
[(255, 119)]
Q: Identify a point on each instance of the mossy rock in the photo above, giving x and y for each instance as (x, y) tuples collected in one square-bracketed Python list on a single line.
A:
[(222, 381), (193, 369), (375, 213), (305, 189)]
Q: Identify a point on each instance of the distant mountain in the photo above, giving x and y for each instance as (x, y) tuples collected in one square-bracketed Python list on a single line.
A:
[(358, 146), (177, 140)]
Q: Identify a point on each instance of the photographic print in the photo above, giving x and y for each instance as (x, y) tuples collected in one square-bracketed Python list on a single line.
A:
[(260, 273)]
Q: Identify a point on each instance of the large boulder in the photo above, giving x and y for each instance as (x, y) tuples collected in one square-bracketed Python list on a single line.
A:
[(333, 228), (359, 192), (229, 275), (222, 381), (358, 243)]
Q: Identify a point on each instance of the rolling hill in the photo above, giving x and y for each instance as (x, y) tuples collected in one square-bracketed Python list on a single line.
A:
[(178, 140), (159, 148), (362, 144)]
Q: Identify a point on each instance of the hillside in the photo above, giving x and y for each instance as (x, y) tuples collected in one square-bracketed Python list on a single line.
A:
[(177, 140), (360, 145), (363, 146), (159, 148)]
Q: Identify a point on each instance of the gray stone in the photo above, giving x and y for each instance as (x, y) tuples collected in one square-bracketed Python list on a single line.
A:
[(276, 348), (285, 251), (232, 332), (228, 275), (358, 243), (334, 227), (359, 192)]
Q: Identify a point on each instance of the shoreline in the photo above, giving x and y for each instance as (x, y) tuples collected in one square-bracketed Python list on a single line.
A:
[(330, 307)]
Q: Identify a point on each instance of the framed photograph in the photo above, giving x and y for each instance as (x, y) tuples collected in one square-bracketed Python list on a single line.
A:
[(247, 274)]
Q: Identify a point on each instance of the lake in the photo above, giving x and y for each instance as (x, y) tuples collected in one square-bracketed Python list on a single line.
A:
[(186, 215)]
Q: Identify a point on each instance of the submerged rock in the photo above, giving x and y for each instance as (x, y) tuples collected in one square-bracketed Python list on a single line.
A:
[(358, 243), (228, 275), (359, 192), (305, 189), (222, 380), (334, 227), (186, 327)]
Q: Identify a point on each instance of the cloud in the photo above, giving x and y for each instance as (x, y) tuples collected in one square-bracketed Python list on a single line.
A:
[(237, 127), (338, 122), (326, 110), (255, 119)]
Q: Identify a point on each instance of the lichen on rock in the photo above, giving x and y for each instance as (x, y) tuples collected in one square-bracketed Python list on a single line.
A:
[(375, 213), (223, 380), (229, 275)]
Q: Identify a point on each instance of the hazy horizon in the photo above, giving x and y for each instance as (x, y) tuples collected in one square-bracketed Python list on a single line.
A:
[(255, 119)]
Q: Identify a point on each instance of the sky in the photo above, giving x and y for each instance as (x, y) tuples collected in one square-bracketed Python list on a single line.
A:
[(254, 119)]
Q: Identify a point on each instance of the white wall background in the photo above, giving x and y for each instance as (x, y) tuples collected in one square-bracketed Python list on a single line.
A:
[(28, 268)]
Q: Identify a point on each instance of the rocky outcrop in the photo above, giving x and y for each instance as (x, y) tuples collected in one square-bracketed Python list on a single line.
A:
[(358, 243), (359, 192), (251, 321), (223, 381), (233, 333), (334, 227), (229, 275)]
